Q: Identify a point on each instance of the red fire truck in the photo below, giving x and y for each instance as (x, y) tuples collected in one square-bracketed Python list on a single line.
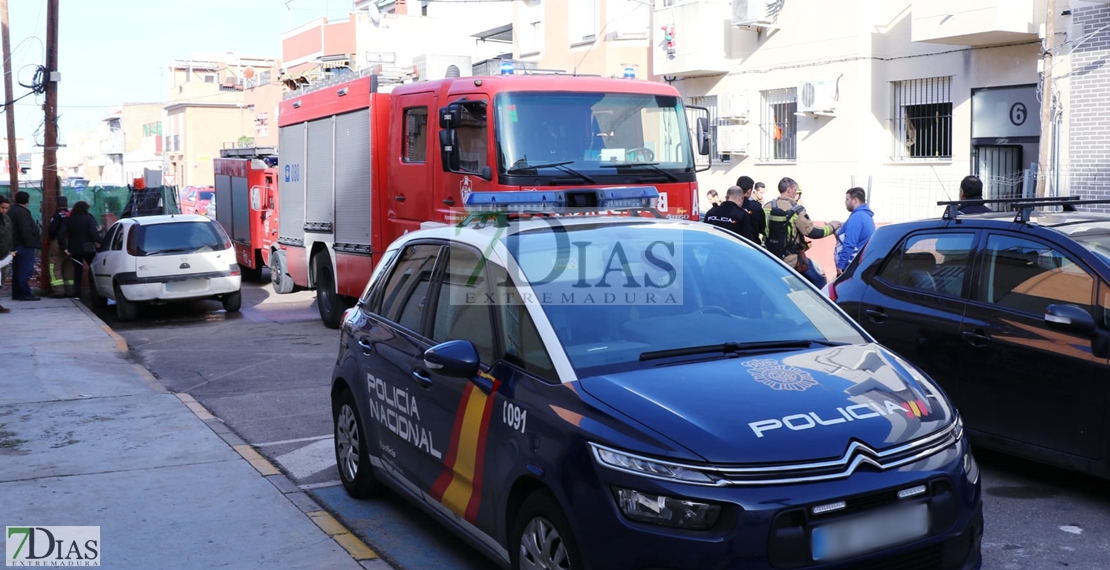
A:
[(359, 167), (247, 204)]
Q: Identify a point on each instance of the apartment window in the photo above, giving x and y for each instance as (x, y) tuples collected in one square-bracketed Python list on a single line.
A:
[(709, 102), (264, 78), (628, 19), (779, 124), (582, 21), (209, 77), (416, 134), (531, 34), (921, 118)]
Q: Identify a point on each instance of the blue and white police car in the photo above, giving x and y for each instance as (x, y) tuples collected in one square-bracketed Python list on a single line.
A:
[(592, 391)]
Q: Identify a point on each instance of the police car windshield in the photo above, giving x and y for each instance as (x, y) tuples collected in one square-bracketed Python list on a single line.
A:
[(612, 292)]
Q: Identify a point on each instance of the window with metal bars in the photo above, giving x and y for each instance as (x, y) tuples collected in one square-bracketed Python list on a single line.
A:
[(709, 102), (779, 125), (921, 118)]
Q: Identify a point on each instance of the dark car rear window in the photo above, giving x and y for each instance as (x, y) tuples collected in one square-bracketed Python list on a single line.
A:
[(179, 237)]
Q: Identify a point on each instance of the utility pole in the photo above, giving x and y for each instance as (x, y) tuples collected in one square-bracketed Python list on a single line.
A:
[(1045, 155), (9, 109), (50, 139)]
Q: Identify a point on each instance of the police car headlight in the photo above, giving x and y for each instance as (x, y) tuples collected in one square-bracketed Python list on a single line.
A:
[(650, 467), (666, 511)]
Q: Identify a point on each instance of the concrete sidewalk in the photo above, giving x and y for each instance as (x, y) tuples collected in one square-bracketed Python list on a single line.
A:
[(88, 438)]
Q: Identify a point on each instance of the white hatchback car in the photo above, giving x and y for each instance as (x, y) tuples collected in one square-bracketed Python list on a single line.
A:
[(156, 259)]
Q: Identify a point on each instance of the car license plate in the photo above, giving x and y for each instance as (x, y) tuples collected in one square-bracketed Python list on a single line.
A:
[(187, 285), (870, 532)]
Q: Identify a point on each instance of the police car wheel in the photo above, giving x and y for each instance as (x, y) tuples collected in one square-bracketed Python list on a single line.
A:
[(351, 454), (542, 537)]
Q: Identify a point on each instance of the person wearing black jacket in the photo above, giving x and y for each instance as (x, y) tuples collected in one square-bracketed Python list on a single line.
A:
[(79, 237), (731, 216), (758, 219), (26, 238), (5, 240)]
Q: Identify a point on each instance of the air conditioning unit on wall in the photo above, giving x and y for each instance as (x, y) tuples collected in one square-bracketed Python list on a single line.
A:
[(757, 13), (818, 97), (733, 106), (732, 139)]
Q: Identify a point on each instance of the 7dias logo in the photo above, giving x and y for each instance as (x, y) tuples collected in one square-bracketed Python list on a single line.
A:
[(28, 546)]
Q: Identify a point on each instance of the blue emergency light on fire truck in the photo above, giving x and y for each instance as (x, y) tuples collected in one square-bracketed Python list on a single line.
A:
[(631, 199)]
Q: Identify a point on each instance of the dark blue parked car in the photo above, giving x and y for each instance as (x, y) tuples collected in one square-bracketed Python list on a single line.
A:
[(1010, 314), (621, 392)]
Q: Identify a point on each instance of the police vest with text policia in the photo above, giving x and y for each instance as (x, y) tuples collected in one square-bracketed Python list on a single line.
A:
[(782, 234)]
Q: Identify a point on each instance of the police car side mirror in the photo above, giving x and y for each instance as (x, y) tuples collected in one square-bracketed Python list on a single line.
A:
[(449, 150), (456, 358), (1069, 318)]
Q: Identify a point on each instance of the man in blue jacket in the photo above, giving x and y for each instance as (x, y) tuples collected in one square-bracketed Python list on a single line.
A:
[(857, 229)]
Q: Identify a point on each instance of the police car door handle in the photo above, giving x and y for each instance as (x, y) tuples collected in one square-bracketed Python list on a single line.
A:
[(422, 378), (876, 315), (367, 346), (977, 338)]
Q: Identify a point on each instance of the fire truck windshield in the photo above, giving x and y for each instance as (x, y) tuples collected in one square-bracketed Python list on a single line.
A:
[(592, 134)]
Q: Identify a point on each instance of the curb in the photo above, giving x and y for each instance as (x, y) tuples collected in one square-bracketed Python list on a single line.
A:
[(354, 546)]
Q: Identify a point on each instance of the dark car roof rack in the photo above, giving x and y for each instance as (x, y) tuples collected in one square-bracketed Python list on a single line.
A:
[(1025, 205)]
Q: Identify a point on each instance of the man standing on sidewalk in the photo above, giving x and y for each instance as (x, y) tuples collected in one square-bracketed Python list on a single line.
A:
[(857, 229), (789, 229), (754, 207), (5, 241), (27, 238)]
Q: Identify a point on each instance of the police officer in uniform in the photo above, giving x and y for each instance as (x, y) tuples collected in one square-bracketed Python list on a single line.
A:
[(731, 214), (788, 227), (759, 221)]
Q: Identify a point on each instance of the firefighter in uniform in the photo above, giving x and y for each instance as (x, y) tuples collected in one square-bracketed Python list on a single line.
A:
[(788, 227), (61, 269)]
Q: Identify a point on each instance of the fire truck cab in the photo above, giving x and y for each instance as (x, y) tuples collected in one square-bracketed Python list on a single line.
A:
[(359, 167)]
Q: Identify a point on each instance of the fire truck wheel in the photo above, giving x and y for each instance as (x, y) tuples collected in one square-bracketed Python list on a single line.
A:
[(233, 301), (279, 278), (327, 298), (125, 310)]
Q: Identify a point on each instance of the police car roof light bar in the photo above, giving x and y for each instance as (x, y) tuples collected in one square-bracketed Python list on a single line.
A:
[(501, 205)]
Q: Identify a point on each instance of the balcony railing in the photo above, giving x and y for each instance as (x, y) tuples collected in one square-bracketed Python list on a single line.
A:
[(113, 143)]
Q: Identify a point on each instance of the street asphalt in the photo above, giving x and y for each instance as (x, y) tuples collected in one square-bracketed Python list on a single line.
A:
[(90, 438)]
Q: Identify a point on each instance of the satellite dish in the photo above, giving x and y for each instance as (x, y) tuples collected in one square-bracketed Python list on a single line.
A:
[(375, 14), (248, 72)]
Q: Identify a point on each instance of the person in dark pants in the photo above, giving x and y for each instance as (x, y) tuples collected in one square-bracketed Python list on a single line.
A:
[(79, 237), (27, 238), (754, 207), (5, 241)]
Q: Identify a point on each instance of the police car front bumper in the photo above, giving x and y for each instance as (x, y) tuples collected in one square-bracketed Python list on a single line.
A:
[(772, 526)]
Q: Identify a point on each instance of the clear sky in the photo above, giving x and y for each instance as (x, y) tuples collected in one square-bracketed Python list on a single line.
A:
[(117, 51)]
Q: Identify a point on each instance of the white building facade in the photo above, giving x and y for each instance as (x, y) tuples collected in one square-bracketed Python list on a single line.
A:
[(901, 97)]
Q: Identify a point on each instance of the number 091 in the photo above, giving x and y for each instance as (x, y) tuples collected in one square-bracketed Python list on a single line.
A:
[(513, 416)]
